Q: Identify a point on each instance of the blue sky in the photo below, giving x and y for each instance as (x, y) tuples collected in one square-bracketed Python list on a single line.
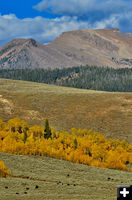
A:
[(44, 20), (21, 8)]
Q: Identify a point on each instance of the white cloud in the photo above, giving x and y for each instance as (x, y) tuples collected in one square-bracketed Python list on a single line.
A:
[(45, 30), (84, 7), (98, 14), (39, 28), (111, 22)]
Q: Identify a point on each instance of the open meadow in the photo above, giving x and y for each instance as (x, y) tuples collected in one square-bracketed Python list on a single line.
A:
[(43, 178), (104, 112)]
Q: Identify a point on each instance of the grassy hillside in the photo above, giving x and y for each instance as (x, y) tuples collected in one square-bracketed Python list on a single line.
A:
[(57, 179), (104, 112)]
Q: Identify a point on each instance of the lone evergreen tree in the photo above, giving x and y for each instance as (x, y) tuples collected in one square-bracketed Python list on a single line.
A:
[(25, 137), (75, 144), (47, 130)]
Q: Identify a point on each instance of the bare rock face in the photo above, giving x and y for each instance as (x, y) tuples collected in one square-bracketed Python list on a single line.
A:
[(104, 47)]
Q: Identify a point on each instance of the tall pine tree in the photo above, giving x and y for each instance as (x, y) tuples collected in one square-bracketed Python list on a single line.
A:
[(47, 130)]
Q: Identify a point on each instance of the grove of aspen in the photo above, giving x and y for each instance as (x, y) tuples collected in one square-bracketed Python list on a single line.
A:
[(79, 146)]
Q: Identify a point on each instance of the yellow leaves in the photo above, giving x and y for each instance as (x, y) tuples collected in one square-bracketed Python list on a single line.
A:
[(3, 134), (124, 144), (96, 163), (14, 124), (73, 131), (2, 125), (37, 131), (114, 161), (17, 125), (98, 152), (80, 146), (3, 171)]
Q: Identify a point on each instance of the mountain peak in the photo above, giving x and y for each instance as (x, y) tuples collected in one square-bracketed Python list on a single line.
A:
[(32, 42), (110, 29), (99, 47)]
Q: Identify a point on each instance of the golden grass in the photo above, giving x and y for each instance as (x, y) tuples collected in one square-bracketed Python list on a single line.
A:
[(65, 107)]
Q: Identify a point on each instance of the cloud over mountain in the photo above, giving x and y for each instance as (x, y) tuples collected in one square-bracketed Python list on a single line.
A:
[(39, 28), (65, 16), (96, 13)]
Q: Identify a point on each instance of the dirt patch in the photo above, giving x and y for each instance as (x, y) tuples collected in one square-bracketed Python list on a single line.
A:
[(7, 105), (32, 114)]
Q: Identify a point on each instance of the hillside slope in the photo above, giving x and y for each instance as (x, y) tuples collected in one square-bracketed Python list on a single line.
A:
[(104, 112), (58, 179), (105, 47)]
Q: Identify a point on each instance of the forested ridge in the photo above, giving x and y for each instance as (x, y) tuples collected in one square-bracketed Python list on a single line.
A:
[(86, 77), (79, 146)]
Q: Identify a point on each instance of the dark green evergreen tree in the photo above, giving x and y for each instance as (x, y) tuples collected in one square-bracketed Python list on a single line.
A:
[(47, 130), (75, 144), (25, 137)]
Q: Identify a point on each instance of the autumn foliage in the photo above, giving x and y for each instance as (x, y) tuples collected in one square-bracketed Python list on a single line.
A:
[(80, 146), (3, 171)]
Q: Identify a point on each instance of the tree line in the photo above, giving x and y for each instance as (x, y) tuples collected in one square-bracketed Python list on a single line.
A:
[(86, 77)]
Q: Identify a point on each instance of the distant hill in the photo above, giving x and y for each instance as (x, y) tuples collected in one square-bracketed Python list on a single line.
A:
[(105, 47)]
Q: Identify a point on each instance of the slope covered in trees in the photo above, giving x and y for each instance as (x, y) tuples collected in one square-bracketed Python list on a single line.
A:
[(88, 77), (80, 146)]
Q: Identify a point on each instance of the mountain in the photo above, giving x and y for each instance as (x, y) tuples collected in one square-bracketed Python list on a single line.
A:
[(104, 47), (22, 53)]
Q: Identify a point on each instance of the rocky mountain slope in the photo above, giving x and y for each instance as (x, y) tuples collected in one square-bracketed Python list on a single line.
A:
[(105, 47)]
